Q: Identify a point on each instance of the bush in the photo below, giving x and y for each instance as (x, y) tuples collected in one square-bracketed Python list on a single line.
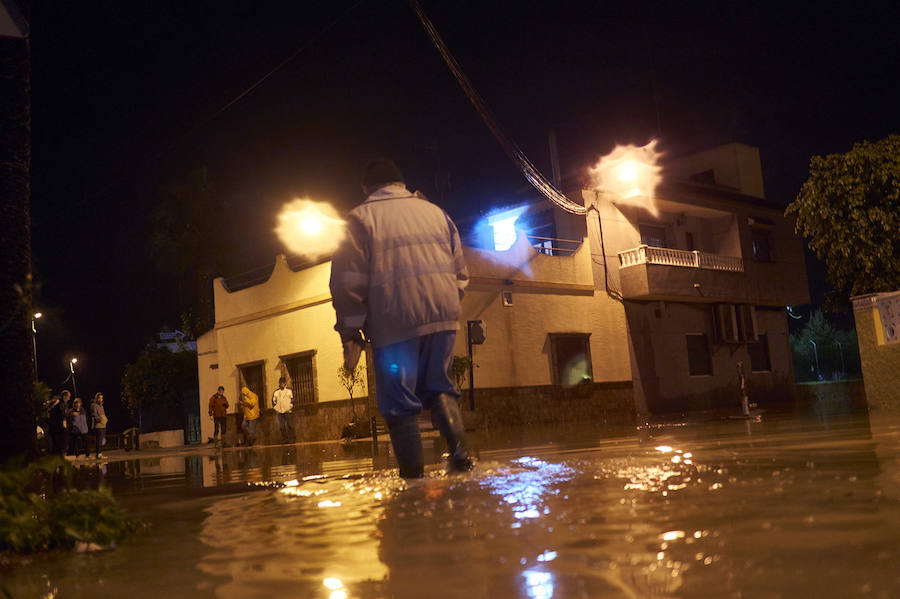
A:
[(40, 510)]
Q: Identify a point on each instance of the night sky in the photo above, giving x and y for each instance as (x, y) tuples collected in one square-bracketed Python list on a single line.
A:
[(127, 99)]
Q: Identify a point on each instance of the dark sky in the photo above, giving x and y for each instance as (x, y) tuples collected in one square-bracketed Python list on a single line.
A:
[(126, 99)]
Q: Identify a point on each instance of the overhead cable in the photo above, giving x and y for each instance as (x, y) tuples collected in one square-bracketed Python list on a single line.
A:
[(515, 153)]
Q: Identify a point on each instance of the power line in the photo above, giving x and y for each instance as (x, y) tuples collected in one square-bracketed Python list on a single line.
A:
[(515, 153)]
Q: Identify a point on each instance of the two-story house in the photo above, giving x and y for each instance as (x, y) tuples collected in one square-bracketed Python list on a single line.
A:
[(628, 310)]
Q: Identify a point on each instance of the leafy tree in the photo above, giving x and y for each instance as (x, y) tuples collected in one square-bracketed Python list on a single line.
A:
[(849, 212), (350, 379), (160, 379), (821, 348)]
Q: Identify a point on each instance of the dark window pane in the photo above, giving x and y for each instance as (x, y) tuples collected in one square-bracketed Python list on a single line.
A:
[(689, 241), (302, 379), (762, 250), (759, 355), (653, 236), (253, 377), (699, 362), (572, 356)]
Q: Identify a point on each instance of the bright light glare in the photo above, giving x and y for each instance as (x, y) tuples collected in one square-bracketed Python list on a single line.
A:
[(504, 226), (504, 234), (38, 314), (74, 360), (310, 228), (663, 448), (333, 583), (629, 174)]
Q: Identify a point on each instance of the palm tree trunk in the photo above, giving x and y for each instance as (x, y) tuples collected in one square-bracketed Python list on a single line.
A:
[(17, 427)]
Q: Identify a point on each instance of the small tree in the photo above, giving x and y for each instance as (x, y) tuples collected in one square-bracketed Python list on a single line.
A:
[(459, 369), (350, 379), (849, 212)]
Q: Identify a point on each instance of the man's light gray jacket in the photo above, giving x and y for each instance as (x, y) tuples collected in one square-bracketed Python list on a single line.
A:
[(399, 273)]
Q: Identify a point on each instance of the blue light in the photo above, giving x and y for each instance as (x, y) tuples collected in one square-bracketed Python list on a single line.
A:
[(504, 226), (394, 368)]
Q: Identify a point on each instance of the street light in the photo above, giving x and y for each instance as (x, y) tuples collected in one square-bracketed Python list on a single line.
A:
[(34, 317), (72, 363), (841, 348), (816, 354)]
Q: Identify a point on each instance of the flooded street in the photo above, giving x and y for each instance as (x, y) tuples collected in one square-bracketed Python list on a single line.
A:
[(792, 506)]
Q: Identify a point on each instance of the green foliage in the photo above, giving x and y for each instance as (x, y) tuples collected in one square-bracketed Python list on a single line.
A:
[(459, 369), (42, 396), (834, 356), (159, 377), (41, 510), (849, 212)]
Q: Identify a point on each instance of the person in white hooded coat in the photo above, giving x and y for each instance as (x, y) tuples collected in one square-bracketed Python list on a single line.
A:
[(398, 277)]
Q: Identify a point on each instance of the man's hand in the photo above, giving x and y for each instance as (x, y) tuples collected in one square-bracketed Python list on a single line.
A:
[(352, 351)]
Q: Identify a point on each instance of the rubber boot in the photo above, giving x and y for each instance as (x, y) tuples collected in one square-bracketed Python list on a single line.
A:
[(446, 417), (407, 444)]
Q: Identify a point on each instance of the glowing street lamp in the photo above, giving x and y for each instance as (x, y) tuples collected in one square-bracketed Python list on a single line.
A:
[(309, 228), (72, 363), (34, 317)]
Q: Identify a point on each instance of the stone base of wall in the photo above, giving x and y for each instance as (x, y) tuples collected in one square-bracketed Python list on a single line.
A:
[(321, 422), (763, 393), (605, 403)]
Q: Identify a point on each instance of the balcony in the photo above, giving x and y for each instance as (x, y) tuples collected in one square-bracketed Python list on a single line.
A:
[(655, 273), (645, 254)]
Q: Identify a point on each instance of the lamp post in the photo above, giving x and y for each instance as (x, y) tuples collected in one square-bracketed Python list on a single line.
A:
[(72, 363), (34, 317), (841, 349), (816, 354)]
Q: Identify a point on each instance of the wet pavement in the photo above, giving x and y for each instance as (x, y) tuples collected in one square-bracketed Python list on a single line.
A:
[(791, 506)]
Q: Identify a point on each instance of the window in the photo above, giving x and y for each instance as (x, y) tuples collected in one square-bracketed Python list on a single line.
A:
[(653, 236), (699, 362), (254, 377), (759, 355), (301, 374), (762, 248), (571, 356), (689, 241)]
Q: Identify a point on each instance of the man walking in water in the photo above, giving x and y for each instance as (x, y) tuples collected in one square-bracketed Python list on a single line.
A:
[(398, 276)]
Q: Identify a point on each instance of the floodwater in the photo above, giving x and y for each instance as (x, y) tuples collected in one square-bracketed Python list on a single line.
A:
[(790, 506)]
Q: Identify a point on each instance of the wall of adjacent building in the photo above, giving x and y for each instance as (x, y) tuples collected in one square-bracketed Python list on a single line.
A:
[(880, 356)]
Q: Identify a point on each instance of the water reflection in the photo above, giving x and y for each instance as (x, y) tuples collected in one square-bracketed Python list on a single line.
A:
[(795, 509)]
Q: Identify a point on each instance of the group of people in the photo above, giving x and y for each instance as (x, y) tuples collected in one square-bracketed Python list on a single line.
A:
[(71, 422), (282, 403)]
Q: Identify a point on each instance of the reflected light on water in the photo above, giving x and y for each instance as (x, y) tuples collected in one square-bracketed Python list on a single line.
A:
[(663, 448), (523, 488), (538, 584), (547, 556)]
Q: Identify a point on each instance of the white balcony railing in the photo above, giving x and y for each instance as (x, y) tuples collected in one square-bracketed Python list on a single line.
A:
[(645, 254)]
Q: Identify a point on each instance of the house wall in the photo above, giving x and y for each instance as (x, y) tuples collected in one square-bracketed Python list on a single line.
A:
[(551, 294), (207, 379), (658, 330), (878, 352)]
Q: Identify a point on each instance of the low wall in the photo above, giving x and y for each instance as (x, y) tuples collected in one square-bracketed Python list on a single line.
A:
[(172, 438), (833, 397), (605, 403), (320, 422)]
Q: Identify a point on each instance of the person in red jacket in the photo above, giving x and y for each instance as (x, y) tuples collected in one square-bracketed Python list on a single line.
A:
[(218, 411)]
